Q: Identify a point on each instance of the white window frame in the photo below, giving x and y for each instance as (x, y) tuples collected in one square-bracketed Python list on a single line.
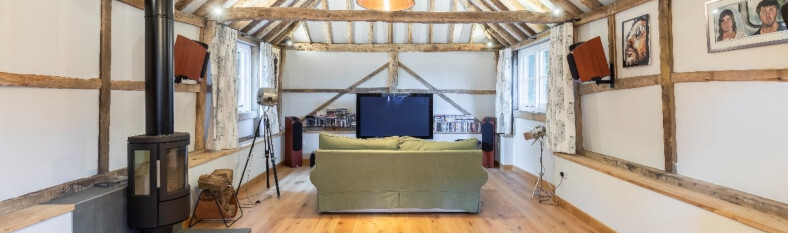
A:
[(245, 85), (538, 52)]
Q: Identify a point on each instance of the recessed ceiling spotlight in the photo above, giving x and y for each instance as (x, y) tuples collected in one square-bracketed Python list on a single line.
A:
[(218, 11), (490, 44), (715, 11), (557, 12), (289, 42)]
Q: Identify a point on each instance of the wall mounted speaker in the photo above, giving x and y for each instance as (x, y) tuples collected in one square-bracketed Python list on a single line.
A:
[(190, 58)]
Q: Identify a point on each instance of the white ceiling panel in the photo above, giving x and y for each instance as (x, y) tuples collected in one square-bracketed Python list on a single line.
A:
[(400, 33), (193, 6), (419, 33), (299, 36), (580, 5), (317, 31), (381, 33), (339, 31), (440, 33), (464, 33), (361, 32)]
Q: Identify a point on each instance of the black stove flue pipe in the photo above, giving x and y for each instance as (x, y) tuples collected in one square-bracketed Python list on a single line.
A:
[(159, 70)]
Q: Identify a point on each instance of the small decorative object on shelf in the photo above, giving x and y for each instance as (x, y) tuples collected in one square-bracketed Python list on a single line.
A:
[(456, 124), (338, 118)]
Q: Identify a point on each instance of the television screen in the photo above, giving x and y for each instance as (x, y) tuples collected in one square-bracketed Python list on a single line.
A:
[(383, 115)]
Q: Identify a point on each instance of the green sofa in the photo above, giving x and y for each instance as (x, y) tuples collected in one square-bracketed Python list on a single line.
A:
[(403, 175)]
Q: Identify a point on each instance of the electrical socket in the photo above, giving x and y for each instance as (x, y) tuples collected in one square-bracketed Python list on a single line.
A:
[(562, 174)]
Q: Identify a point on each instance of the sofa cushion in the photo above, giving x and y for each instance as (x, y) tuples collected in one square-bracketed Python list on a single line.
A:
[(329, 141), (422, 145)]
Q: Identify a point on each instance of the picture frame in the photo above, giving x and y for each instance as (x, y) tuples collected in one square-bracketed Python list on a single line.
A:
[(737, 24), (636, 41)]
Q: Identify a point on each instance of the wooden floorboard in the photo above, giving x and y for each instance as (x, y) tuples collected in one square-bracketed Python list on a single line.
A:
[(506, 207)]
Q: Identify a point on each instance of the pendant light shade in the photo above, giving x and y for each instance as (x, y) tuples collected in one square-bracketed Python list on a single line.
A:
[(386, 5)]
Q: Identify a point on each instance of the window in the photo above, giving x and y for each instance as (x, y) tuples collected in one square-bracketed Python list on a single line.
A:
[(531, 75), (244, 77)]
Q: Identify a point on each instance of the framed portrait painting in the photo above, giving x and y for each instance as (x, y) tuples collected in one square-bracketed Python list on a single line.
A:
[(635, 38), (738, 24)]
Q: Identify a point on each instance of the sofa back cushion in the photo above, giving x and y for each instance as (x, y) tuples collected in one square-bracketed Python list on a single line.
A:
[(415, 144), (329, 141)]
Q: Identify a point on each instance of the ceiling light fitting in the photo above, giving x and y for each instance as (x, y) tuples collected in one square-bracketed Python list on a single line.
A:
[(386, 5)]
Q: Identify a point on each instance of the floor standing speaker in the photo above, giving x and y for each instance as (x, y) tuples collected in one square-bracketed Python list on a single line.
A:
[(488, 142), (293, 142)]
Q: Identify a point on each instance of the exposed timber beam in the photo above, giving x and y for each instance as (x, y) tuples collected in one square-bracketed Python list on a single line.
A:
[(450, 34), (272, 26), (247, 26), (298, 14), (430, 27), (668, 92), (470, 36), (276, 36), (105, 72), (510, 28), (490, 28), (392, 47), (350, 38), (393, 78), (208, 6), (371, 33), (410, 29), (522, 26), (391, 33), (610, 9), (308, 34), (591, 4), (435, 90), (182, 4), (329, 29)]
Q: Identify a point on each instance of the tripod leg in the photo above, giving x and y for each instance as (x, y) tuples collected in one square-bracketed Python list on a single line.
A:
[(276, 179)]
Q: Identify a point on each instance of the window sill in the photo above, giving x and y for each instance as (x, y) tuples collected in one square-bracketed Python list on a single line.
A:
[(529, 115), (242, 116)]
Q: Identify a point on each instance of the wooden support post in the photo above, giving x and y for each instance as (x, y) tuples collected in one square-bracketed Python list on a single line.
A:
[(430, 27), (350, 39), (282, 57), (393, 71), (611, 40), (578, 107), (206, 36), (668, 95), (105, 98), (329, 29)]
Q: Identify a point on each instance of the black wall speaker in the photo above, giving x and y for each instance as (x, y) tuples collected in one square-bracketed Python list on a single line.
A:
[(488, 142), (293, 142)]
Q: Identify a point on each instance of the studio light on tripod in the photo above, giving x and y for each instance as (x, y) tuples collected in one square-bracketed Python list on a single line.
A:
[(266, 96)]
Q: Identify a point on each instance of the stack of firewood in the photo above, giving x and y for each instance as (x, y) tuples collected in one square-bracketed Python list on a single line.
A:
[(219, 188)]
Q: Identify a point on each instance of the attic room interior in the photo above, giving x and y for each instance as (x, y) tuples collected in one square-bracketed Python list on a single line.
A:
[(393, 116)]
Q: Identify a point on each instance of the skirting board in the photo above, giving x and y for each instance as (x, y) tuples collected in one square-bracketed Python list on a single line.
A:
[(583, 216)]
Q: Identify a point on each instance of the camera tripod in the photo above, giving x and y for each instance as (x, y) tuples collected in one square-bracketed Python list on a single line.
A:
[(269, 155)]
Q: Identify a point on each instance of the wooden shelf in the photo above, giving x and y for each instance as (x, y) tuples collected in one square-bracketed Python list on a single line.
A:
[(331, 129), (456, 132)]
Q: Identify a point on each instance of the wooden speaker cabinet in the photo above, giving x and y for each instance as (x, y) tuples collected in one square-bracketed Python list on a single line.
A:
[(488, 142), (293, 142)]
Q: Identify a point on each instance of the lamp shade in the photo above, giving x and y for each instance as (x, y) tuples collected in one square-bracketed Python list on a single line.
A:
[(386, 5)]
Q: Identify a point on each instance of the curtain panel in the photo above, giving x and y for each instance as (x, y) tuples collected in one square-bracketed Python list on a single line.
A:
[(223, 126), (561, 132), (268, 72), (503, 93)]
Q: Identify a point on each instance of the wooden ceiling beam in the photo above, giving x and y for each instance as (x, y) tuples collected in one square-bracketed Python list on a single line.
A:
[(329, 29), (178, 16), (182, 4), (610, 9), (278, 33), (450, 34), (350, 38), (206, 7), (511, 29), (324, 47), (473, 30), (300, 14), (391, 33), (493, 29), (410, 29), (249, 25), (524, 27), (591, 4), (308, 34), (430, 27), (272, 25), (371, 33)]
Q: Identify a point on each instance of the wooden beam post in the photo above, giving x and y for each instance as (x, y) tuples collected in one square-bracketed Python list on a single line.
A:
[(300, 14), (206, 36), (105, 98), (668, 95), (436, 90), (393, 80), (430, 27), (350, 39)]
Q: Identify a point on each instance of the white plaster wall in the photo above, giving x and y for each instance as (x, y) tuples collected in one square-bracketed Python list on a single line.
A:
[(626, 124), (525, 154), (691, 52), (61, 224), (315, 70), (626, 207), (650, 8), (593, 29), (48, 136), (128, 41), (455, 70), (733, 134), (127, 118), (236, 161), (50, 37)]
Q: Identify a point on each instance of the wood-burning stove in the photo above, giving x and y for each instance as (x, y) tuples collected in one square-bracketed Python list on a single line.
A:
[(158, 191)]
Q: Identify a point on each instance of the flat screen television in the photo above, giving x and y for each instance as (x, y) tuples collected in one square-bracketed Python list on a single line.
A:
[(383, 115)]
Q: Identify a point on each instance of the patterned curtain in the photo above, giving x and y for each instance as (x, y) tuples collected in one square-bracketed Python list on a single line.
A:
[(223, 128), (503, 93), (560, 90), (269, 80)]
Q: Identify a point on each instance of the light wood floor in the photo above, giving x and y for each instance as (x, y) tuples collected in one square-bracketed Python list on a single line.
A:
[(506, 207)]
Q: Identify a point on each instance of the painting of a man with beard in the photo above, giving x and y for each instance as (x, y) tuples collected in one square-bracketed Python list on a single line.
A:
[(635, 38)]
